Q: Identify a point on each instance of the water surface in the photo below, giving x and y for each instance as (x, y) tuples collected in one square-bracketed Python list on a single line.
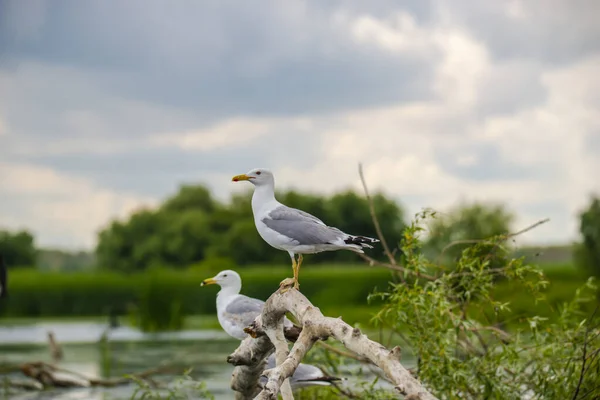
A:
[(126, 351), (91, 349)]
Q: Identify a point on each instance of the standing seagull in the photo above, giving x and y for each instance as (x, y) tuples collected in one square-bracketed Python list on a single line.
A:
[(237, 311), (293, 230)]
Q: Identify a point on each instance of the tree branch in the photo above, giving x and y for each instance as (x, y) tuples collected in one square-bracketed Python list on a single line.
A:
[(273, 324), (45, 374), (505, 238), (396, 267), (386, 249), (583, 355), (315, 327), (250, 359)]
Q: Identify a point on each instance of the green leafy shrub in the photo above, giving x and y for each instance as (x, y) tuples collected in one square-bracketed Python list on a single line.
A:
[(472, 355), (587, 253)]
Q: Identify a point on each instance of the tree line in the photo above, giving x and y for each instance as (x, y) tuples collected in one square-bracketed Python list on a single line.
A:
[(192, 226)]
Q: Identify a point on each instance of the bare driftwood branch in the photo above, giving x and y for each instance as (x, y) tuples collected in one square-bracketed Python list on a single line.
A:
[(315, 327), (250, 359), (44, 375)]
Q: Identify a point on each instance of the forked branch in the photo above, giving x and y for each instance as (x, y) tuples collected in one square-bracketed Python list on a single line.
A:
[(315, 327)]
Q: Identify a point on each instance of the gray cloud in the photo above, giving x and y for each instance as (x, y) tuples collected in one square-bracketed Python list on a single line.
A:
[(86, 87), (153, 171), (487, 164), (510, 88), (555, 31), (218, 57)]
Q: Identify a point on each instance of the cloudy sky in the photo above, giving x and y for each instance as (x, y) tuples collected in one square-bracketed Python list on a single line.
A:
[(107, 106)]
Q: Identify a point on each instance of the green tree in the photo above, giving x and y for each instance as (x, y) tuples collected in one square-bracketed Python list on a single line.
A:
[(18, 248), (190, 197), (587, 253), (185, 237), (453, 232), (191, 227), (131, 245), (350, 212)]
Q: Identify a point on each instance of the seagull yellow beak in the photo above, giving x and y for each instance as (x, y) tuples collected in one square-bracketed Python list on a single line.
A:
[(242, 177), (209, 281)]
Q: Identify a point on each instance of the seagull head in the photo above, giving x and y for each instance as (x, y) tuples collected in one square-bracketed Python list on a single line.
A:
[(257, 176), (225, 279)]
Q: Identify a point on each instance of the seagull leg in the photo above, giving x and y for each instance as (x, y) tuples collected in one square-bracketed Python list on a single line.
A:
[(297, 272), (288, 282)]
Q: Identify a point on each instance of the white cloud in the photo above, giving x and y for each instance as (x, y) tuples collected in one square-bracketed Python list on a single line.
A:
[(516, 10), (231, 132), (495, 109), (3, 128), (399, 146), (398, 33), (61, 210), (465, 64)]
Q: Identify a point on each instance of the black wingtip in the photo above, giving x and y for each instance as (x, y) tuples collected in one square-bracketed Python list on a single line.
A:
[(361, 240), (3, 278), (327, 379)]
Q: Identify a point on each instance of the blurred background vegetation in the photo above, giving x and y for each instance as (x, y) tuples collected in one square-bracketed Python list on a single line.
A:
[(149, 266)]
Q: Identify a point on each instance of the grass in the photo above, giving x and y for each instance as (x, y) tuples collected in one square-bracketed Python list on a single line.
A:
[(339, 290)]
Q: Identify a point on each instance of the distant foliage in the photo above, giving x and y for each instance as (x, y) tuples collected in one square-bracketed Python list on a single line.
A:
[(192, 227), (462, 227), (588, 251), (53, 259), (158, 307), (18, 248)]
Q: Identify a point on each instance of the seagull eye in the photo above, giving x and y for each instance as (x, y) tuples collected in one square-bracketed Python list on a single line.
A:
[(225, 276), (257, 172)]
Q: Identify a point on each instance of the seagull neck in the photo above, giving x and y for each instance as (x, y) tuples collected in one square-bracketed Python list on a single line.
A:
[(230, 289), (263, 197), (225, 295)]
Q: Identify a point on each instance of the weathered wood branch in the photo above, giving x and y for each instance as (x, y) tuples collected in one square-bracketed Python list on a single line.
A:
[(43, 375), (315, 327), (250, 359)]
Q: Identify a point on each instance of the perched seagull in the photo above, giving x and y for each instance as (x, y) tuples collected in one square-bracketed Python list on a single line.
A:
[(236, 311), (293, 230), (3, 278)]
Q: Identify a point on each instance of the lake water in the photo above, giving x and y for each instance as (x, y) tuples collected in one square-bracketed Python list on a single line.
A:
[(126, 351)]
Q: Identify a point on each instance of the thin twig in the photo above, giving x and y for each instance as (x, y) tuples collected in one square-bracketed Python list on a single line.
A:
[(373, 262), (505, 335), (505, 238), (584, 355), (386, 249), (484, 345)]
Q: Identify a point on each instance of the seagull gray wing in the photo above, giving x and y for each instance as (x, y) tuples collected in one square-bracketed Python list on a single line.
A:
[(244, 310), (293, 214), (305, 375), (301, 227)]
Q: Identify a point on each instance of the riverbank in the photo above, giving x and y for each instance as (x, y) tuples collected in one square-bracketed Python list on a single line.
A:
[(339, 290)]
